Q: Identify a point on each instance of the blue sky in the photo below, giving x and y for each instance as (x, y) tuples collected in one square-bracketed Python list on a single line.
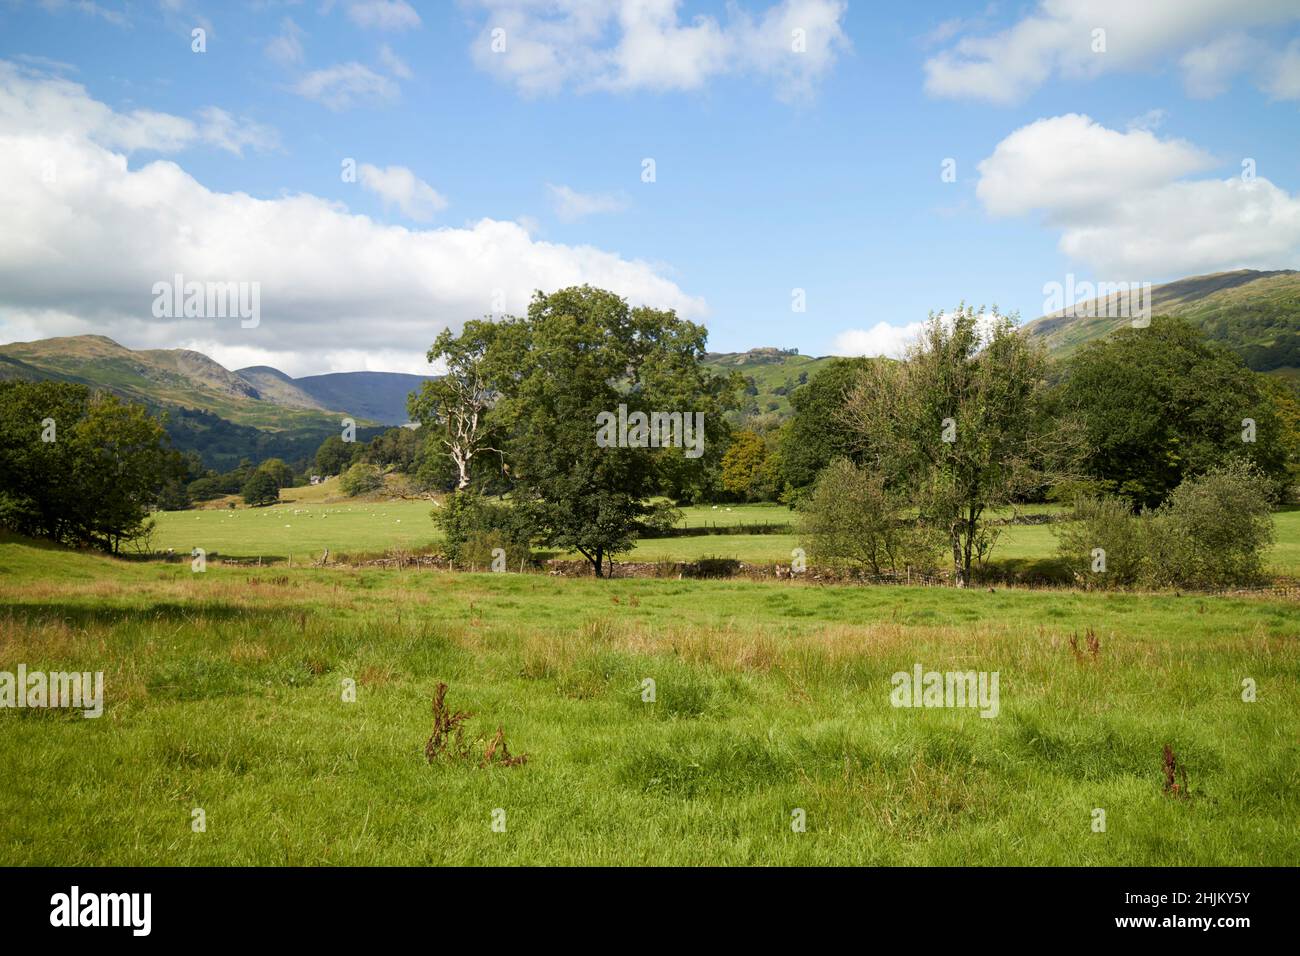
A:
[(775, 170)]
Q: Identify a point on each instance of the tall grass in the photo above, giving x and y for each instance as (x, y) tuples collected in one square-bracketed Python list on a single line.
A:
[(224, 692)]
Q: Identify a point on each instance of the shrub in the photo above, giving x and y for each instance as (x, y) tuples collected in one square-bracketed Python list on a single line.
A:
[(1213, 530), (361, 479), (480, 549), (260, 489), (1107, 523), (473, 526), (852, 518)]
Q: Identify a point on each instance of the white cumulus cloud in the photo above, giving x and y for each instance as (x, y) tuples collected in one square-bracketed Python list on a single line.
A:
[(1123, 202), (82, 249), (1073, 165), (881, 339)]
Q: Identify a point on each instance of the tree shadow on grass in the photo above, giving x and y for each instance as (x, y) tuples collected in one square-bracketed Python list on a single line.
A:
[(97, 615)]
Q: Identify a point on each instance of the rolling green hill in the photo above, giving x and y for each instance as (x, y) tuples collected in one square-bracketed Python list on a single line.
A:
[(770, 373), (1256, 314)]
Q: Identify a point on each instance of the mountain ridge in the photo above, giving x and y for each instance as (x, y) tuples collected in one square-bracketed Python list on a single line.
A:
[(223, 415), (190, 379)]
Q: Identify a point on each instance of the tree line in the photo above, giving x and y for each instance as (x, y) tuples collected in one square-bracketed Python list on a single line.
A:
[(889, 463)]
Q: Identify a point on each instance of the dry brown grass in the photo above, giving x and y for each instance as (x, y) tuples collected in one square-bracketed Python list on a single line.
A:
[(375, 675), (448, 738), (248, 652), (1172, 768)]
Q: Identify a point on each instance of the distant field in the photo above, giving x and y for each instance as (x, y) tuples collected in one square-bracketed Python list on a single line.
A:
[(360, 527), (302, 530), (753, 548), (700, 516), (223, 693)]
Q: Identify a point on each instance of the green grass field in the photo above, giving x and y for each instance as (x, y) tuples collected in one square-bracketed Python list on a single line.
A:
[(313, 519), (302, 530), (223, 692)]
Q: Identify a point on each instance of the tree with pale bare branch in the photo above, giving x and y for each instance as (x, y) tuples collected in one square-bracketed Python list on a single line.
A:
[(458, 403)]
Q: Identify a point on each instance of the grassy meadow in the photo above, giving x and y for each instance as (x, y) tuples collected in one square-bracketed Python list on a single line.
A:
[(314, 518), (223, 691)]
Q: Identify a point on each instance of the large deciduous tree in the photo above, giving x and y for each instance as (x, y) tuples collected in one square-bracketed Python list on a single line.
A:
[(260, 489), (1161, 404), (960, 425), (815, 435), (78, 467), (557, 374), (744, 466)]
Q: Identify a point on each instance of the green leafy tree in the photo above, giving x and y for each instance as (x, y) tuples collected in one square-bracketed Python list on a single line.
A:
[(396, 448), (38, 496), (579, 355), (335, 455), (434, 469), (1159, 404), (361, 479), (817, 433), (173, 496), (260, 489), (744, 466), (1285, 396), (279, 470), (205, 489), (960, 426), (78, 467)]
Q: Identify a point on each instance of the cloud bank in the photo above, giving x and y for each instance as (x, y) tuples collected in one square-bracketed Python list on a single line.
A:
[(88, 234)]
